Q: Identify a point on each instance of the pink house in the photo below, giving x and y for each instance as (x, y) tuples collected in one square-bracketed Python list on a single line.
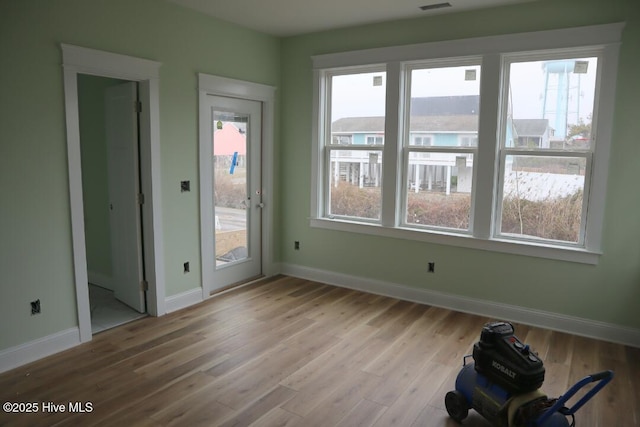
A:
[(229, 140)]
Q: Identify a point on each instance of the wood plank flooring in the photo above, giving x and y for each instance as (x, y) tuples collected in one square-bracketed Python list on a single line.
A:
[(291, 352)]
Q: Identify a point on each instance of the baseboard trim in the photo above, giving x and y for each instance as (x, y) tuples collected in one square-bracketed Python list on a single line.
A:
[(183, 300), (37, 349), (558, 322)]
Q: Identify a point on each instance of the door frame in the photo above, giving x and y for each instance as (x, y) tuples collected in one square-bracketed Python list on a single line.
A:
[(221, 86), (80, 60)]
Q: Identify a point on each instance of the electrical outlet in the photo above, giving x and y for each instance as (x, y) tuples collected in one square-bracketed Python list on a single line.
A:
[(35, 307), (431, 268), (186, 267), (296, 245)]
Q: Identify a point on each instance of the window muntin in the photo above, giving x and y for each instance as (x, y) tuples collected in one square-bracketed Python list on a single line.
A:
[(549, 111), (355, 142), (444, 103)]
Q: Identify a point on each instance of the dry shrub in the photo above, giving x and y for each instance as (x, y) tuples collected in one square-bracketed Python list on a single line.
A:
[(440, 210), (227, 193), (350, 200), (555, 219)]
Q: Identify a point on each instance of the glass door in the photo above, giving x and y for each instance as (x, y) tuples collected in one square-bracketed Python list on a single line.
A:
[(236, 190)]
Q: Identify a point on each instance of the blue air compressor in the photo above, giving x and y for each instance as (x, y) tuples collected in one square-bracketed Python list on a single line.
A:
[(502, 384)]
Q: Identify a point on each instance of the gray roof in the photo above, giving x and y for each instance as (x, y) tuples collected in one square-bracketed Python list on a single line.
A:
[(445, 105), (358, 125), (531, 127), (427, 124)]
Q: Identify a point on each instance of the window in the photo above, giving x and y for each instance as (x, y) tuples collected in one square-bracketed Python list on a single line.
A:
[(354, 144), (342, 139), (444, 102), (468, 141), (375, 140), (421, 140), (505, 149), (545, 174)]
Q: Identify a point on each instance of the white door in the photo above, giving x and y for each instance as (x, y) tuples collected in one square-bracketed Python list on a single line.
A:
[(233, 127), (121, 120)]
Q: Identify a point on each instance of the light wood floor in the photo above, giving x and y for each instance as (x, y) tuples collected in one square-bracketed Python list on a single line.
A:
[(293, 352)]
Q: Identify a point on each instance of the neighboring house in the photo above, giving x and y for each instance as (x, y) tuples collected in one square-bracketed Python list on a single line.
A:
[(532, 133), (227, 141), (445, 105), (447, 121)]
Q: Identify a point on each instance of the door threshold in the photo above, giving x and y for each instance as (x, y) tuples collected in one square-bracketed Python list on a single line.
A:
[(237, 285)]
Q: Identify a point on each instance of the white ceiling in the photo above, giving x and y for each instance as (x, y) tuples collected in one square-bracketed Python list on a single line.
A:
[(291, 17)]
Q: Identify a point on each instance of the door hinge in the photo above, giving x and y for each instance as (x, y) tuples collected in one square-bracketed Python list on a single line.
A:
[(137, 106), (144, 285), (141, 198)]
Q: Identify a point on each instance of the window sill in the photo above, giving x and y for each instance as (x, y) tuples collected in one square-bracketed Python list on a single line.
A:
[(533, 249)]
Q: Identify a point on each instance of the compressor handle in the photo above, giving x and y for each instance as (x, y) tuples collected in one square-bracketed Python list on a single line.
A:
[(602, 378), (601, 375)]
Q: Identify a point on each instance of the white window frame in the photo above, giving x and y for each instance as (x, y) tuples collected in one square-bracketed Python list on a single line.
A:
[(409, 147), (324, 136), (493, 49), (587, 154)]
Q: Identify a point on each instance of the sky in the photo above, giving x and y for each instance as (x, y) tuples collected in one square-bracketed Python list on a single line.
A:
[(356, 95)]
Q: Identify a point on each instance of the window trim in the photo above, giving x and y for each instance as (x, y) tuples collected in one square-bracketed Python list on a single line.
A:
[(493, 50)]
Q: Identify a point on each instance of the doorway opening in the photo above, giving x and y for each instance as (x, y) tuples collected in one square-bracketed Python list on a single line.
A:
[(110, 150)]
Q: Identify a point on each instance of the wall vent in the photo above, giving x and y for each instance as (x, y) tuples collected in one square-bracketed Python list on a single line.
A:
[(435, 6)]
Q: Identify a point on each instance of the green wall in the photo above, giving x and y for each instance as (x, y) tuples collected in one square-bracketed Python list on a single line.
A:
[(608, 292), (35, 227)]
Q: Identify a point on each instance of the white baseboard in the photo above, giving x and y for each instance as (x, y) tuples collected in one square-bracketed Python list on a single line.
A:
[(100, 279), (183, 300), (548, 320), (37, 349)]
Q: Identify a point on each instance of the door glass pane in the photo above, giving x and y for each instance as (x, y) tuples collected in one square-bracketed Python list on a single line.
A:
[(230, 194), (551, 104), (542, 197)]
